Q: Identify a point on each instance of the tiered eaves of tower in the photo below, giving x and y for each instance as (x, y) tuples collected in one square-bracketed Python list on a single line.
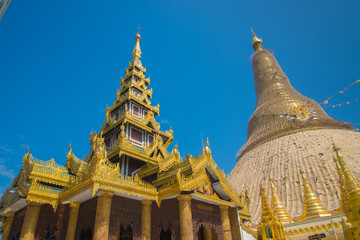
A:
[(127, 169)]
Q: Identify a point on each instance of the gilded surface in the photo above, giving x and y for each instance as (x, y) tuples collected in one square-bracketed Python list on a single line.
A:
[(270, 227), (313, 208), (351, 193), (46, 182), (278, 207), (280, 109)]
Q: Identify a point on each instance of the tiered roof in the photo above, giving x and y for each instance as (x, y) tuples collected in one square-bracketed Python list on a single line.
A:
[(80, 179)]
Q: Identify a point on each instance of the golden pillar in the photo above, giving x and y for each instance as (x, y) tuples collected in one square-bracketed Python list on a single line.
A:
[(225, 221), (30, 221), (73, 216), (146, 220), (234, 224), (186, 228), (102, 218), (207, 234), (9, 221)]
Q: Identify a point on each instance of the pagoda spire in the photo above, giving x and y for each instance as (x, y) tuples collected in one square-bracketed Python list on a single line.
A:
[(350, 197), (279, 107), (313, 208), (352, 187), (137, 52), (277, 205), (257, 43), (270, 227), (343, 194), (266, 210)]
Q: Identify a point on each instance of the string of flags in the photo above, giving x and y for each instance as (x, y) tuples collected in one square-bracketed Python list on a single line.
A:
[(355, 100), (326, 102)]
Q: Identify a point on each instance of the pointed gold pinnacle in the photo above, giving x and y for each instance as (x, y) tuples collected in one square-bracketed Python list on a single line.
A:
[(257, 42), (277, 205), (313, 208)]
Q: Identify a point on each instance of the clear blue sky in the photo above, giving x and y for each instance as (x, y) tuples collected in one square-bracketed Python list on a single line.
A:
[(61, 63)]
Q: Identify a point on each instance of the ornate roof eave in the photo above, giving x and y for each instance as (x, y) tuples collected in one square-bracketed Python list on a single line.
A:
[(140, 100), (148, 169), (137, 155), (170, 175), (129, 186), (73, 163), (227, 188), (124, 146), (9, 204), (137, 64), (42, 194), (132, 83), (127, 117), (214, 199)]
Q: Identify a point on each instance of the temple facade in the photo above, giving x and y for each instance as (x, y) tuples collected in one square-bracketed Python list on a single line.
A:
[(128, 186)]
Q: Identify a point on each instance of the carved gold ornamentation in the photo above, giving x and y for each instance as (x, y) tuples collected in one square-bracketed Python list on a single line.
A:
[(46, 182)]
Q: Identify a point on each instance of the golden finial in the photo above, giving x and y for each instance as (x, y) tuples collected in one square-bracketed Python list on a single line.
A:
[(70, 148), (313, 208), (27, 149), (137, 52), (257, 43), (207, 141)]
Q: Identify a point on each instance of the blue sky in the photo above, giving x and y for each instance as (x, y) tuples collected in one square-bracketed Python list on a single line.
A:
[(61, 63)]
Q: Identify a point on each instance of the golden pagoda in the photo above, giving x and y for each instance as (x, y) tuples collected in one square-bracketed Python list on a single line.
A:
[(351, 193), (278, 207), (128, 186), (285, 131), (313, 208), (270, 227)]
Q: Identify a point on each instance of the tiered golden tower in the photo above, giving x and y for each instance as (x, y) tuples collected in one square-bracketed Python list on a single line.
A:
[(313, 208), (286, 131), (280, 109), (128, 186), (269, 227), (278, 207), (350, 196)]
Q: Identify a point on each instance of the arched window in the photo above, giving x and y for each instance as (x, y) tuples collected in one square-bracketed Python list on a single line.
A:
[(165, 234)]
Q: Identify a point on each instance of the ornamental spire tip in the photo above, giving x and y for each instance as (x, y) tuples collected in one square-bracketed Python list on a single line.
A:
[(137, 52), (257, 43)]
